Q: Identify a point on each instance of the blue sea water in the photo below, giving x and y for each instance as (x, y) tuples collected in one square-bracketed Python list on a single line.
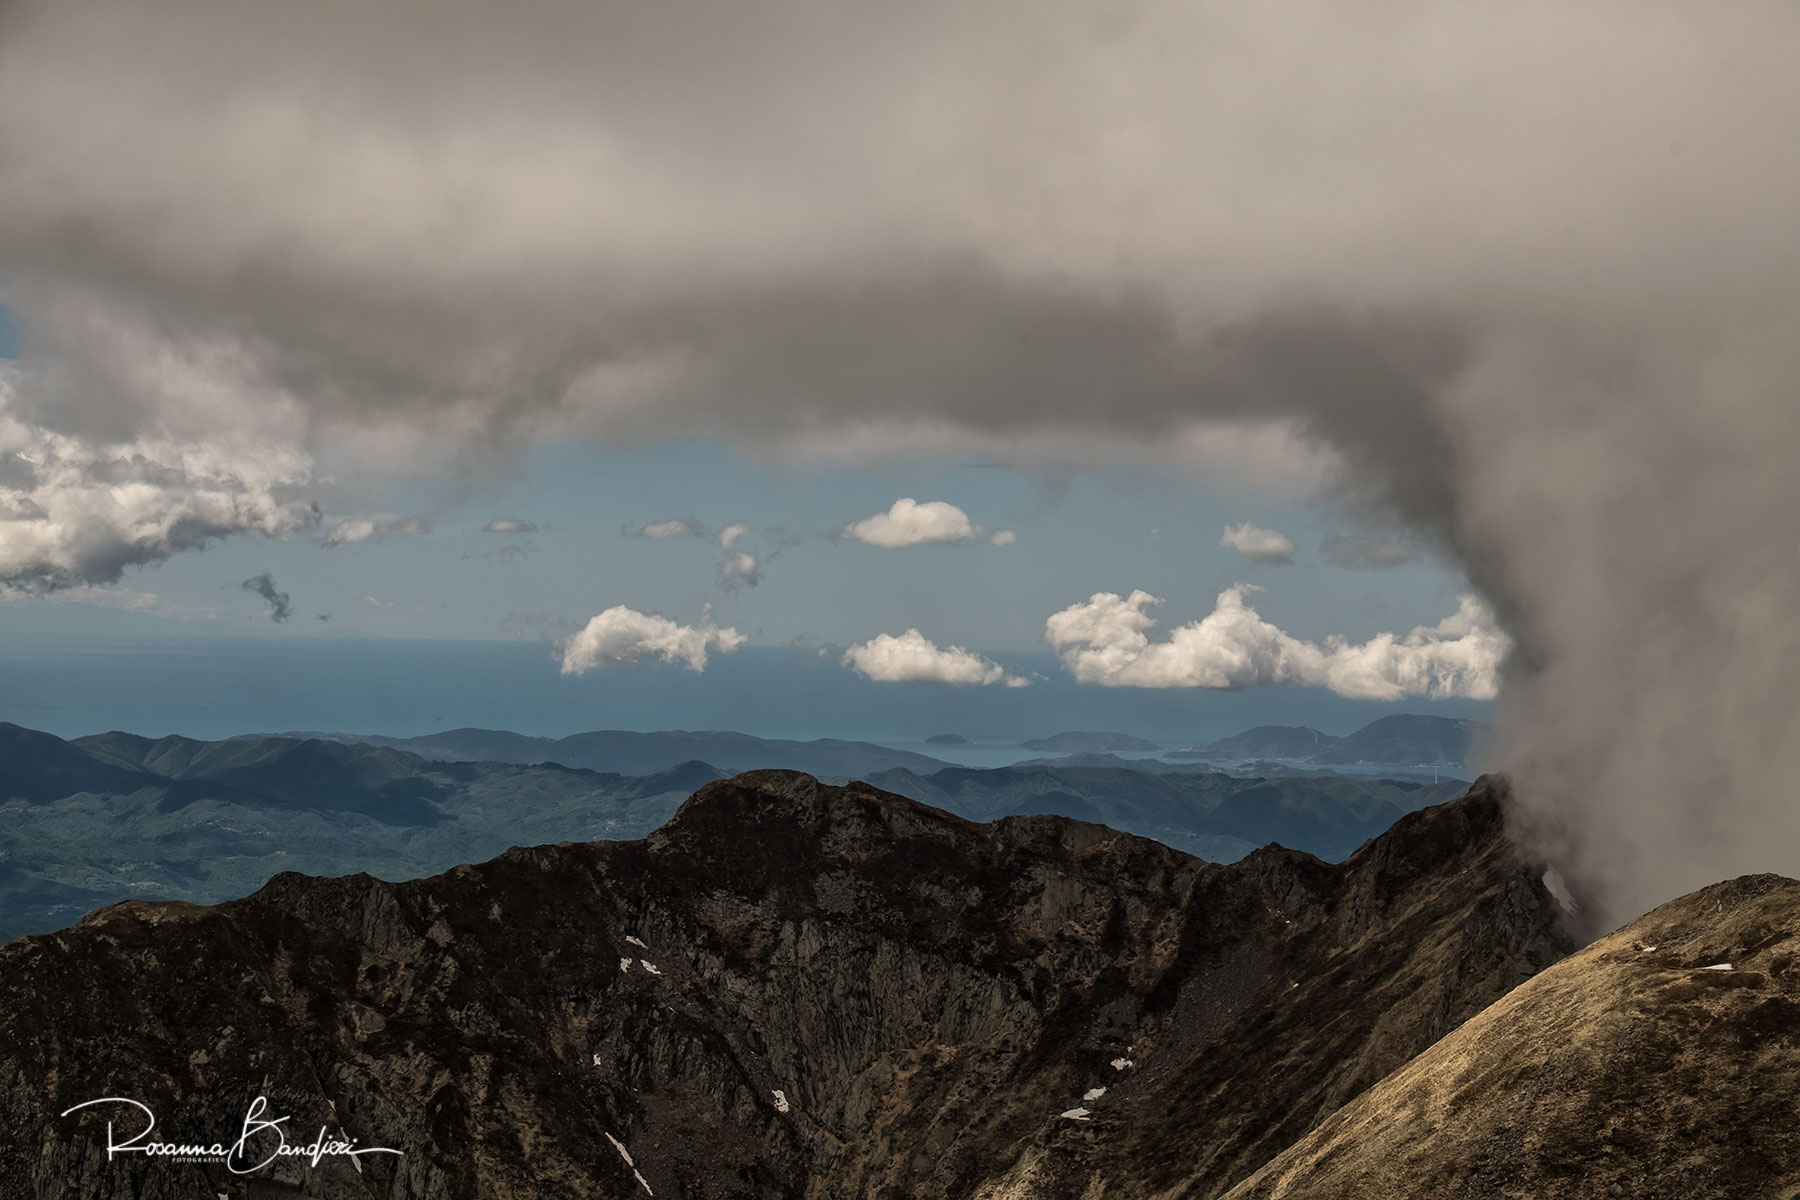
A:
[(211, 687)]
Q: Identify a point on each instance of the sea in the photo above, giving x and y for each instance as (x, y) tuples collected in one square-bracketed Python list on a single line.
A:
[(214, 687)]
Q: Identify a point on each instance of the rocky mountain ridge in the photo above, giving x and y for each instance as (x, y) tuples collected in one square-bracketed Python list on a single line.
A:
[(790, 990)]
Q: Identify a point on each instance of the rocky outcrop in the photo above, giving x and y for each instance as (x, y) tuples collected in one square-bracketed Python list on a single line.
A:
[(790, 990)]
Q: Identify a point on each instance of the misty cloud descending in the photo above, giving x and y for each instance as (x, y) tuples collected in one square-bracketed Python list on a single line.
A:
[(622, 635), (1107, 641), (914, 658), (280, 609), (1520, 277), (911, 523), (1259, 545), (1360, 553)]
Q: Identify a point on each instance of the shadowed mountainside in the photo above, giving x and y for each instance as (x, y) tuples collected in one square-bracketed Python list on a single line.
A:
[(790, 990)]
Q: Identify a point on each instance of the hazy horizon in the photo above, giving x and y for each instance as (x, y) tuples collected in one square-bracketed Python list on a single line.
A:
[(72, 685)]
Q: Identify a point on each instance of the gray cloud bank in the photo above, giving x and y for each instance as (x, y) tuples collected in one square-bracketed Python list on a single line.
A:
[(1521, 274)]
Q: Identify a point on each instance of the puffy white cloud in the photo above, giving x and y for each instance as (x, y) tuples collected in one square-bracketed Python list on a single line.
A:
[(911, 523), (1107, 641), (1459, 656), (509, 525), (1002, 537), (624, 635), (351, 530), (80, 510), (913, 658), (673, 528), (729, 535), (1361, 553), (1258, 544)]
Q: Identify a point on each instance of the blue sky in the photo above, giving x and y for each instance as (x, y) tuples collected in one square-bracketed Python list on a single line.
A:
[(1028, 542), (1076, 535)]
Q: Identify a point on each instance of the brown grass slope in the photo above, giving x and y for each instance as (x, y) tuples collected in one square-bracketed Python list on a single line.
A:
[(1628, 1069)]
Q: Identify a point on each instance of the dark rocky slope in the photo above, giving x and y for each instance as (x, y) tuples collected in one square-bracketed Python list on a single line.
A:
[(1662, 1062), (790, 990)]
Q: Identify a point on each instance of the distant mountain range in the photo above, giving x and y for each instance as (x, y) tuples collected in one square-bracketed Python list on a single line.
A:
[(1406, 740), (1210, 815), (1403, 740), (88, 822), (101, 818), (625, 752)]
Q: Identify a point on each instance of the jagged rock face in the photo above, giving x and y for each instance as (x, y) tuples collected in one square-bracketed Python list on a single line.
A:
[(1662, 1062), (791, 990)]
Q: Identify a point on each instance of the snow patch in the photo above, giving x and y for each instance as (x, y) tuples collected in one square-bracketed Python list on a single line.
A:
[(635, 942), (1122, 1064), (1076, 1114), (781, 1100), (648, 966), (1093, 1093), (626, 1155), (1553, 880), (624, 964), (1719, 967)]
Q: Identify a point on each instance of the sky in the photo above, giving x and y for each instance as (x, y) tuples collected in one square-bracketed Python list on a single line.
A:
[(1508, 287), (577, 551)]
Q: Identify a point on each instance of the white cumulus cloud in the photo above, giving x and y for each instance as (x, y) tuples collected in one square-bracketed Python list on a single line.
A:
[(624, 635), (729, 535), (912, 523), (1107, 641), (914, 658), (1258, 544), (351, 530), (673, 528), (76, 510)]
